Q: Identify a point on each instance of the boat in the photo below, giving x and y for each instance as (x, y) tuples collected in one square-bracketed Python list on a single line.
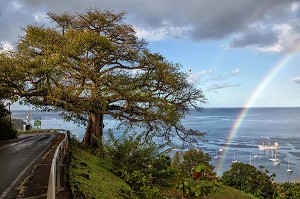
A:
[(288, 168), (234, 160), (250, 160), (216, 157), (275, 159), (276, 162), (256, 156), (275, 145)]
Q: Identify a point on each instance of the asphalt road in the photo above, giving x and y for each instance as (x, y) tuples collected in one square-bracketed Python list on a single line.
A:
[(17, 160)]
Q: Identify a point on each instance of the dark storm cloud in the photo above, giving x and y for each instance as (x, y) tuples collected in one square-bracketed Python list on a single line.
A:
[(201, 20)]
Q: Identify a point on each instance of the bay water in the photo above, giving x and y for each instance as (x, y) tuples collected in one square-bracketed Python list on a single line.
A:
[(260, 125)]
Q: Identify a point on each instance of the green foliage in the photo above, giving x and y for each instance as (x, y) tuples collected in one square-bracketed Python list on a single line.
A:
[(226, 192), (194, 174), (186, 161), (7, 130), (89, 179), (192, 188), (141, 183), (89, 64), (200, 181), (288, 190), (134, 151), (247, 178), (140, 161)]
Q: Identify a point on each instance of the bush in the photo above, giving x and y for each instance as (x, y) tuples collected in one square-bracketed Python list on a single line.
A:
[(141, 162), (6, 129), (194, 174), (247, 178), (133, 152), (288, 190), (190, 159)]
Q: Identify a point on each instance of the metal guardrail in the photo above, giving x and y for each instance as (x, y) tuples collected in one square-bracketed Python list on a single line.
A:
[(54, 183)]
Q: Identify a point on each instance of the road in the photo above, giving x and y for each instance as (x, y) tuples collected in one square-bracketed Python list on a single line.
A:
[(17, 160)]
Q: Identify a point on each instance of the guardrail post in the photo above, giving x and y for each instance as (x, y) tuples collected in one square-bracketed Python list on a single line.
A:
[(55, 171), (58, 174)]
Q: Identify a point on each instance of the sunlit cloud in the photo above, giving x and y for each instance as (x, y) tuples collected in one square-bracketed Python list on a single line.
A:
[(5, 46), (163, 32), (40, 17)]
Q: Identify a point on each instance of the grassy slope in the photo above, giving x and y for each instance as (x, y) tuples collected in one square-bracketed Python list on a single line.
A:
[(89, 179), (225, 192)]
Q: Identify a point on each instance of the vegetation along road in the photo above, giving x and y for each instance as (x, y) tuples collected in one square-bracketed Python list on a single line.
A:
[(18, 158)]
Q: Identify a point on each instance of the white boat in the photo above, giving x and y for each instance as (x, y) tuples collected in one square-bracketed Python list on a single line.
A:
[(275, 159), (276, 162), (234, 160), (275, 145), (250, 160), (216, 157), (288, 168), (256, 156)]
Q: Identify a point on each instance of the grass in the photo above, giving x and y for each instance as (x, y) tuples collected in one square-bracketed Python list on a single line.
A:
[(90, 179), (225, 192)]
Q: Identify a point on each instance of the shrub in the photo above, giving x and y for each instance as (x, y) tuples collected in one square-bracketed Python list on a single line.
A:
[(134, 152), (190, 159), (6, 130), (194, 174), (199, 182), (288, 190), (247, 178)]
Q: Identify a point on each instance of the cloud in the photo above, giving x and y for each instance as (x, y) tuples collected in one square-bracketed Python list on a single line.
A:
[(5, 46), (235, 72), (254, 38), (204, 76), (296, 80), (196, 20), (216, 87), (197, 77)]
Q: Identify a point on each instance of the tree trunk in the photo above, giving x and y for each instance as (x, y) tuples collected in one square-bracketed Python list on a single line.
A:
[(95, 127)]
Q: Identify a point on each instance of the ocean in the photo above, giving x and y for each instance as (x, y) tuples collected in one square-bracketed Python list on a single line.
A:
[(260, 125)]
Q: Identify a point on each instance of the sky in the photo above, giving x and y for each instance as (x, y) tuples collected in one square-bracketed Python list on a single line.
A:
[(240, 53)]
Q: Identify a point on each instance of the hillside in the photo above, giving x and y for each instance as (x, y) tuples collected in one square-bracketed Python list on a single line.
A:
[(89, 178)]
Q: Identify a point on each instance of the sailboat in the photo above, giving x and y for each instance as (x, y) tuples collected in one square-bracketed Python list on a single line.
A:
[(216, 157), (250, 160), (234, 160), (289, 169), (276, 160)]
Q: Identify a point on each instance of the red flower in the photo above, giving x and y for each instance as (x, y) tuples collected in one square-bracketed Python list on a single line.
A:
[(197, 175)]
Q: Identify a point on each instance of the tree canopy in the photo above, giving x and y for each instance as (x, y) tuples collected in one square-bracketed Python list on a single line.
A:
[(90, 64), (247, 178)]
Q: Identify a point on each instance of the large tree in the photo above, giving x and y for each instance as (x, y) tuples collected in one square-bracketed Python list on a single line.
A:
[(91, 64)]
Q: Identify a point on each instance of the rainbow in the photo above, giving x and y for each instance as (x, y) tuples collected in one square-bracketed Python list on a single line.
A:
[(258, 90)]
